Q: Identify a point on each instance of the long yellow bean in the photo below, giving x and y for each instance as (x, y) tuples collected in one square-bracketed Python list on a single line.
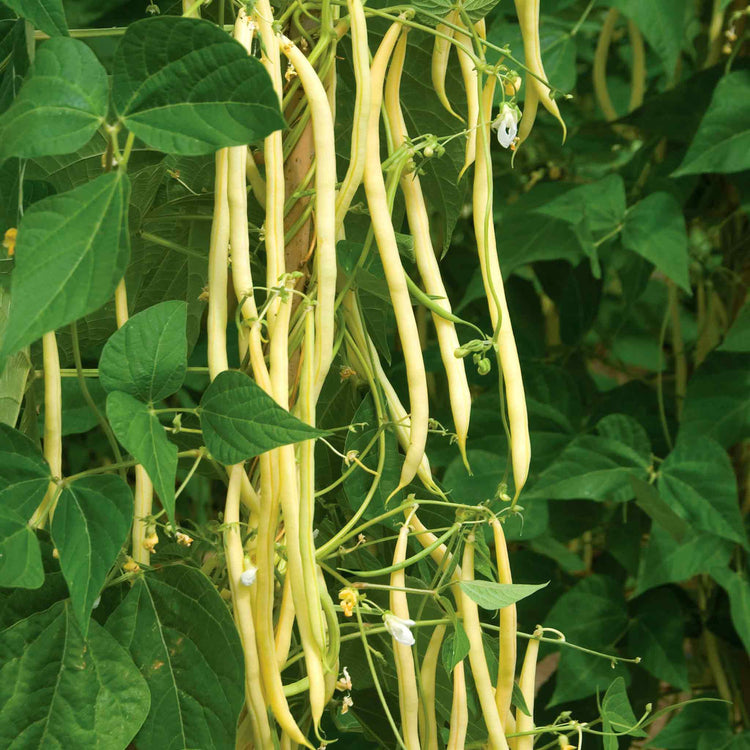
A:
[(440, 56), (385, 238), (479, 670), (428, 721), (407, 680), (459, 710), (484, 230), (429, 270), (506, 671)]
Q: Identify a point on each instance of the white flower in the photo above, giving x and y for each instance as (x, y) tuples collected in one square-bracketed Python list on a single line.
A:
[(345, 682), (247, 577), (506, 124), (399, 628)]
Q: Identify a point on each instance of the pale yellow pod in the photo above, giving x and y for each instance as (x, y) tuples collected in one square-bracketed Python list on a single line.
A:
[(441, 51)]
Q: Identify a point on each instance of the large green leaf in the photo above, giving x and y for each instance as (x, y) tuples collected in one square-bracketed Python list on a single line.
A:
[(21, 463), (59, 690), (592, 613), (24, 479), (240, 420), (20, 557), (655, 229), (666, 560), (184, 86), (601, 205), (738, 336), (60, 106), (722, 143), (15, 373), (698, 481), (491, 595), (617, 713), (46, 15), (656, 635), (90, 525), (662, 24), (182, 638), (738, 589), (685, 728), (718, 399), (143, 436), (595, 468), (72, 251), (147, 357)]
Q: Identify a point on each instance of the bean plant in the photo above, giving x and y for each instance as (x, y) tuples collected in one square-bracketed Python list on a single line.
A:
[(374, 375)]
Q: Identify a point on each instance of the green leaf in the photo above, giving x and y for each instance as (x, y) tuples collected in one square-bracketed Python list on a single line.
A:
[(77, 416), (648, 499), (14, 375), (594, 468), (628, 431), (617, 711), (184, 86), (61, 104), (580, 675), (60, 690), (240, 420), (737, 587), (90, 525), (181, 636), (592, 613), (490, 595), (655, 229), (21, 463), (667, 561), (684, 730), (358, 482), (544, 238), (143, 436), (20, 557), (738, 337), (722, 143), (518, 700), (657, 635), (698, 481), (717, 403), (147, 357), (46, 15), (72, 251), (456, 647), (662, 24), (601, 205)]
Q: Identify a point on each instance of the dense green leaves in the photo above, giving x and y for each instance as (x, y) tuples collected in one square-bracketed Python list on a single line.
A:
[(655, 229), (90, 525), (617, 714), (59, 690), (46, 15), (718, 399), (597, 468), (698, 482), (183, 86), (240, 420), (24, 479), (182, 638), (142, 435), (491, 595), (722, 143), (657, 635), (61, 104), (147, 357), (72, 250), (738, 590)]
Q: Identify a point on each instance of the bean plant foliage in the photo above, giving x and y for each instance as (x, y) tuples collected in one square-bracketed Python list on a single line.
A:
[(374, 374)]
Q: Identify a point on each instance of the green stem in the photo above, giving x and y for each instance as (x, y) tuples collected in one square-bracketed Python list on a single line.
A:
[(90, 401), (409, 561)]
